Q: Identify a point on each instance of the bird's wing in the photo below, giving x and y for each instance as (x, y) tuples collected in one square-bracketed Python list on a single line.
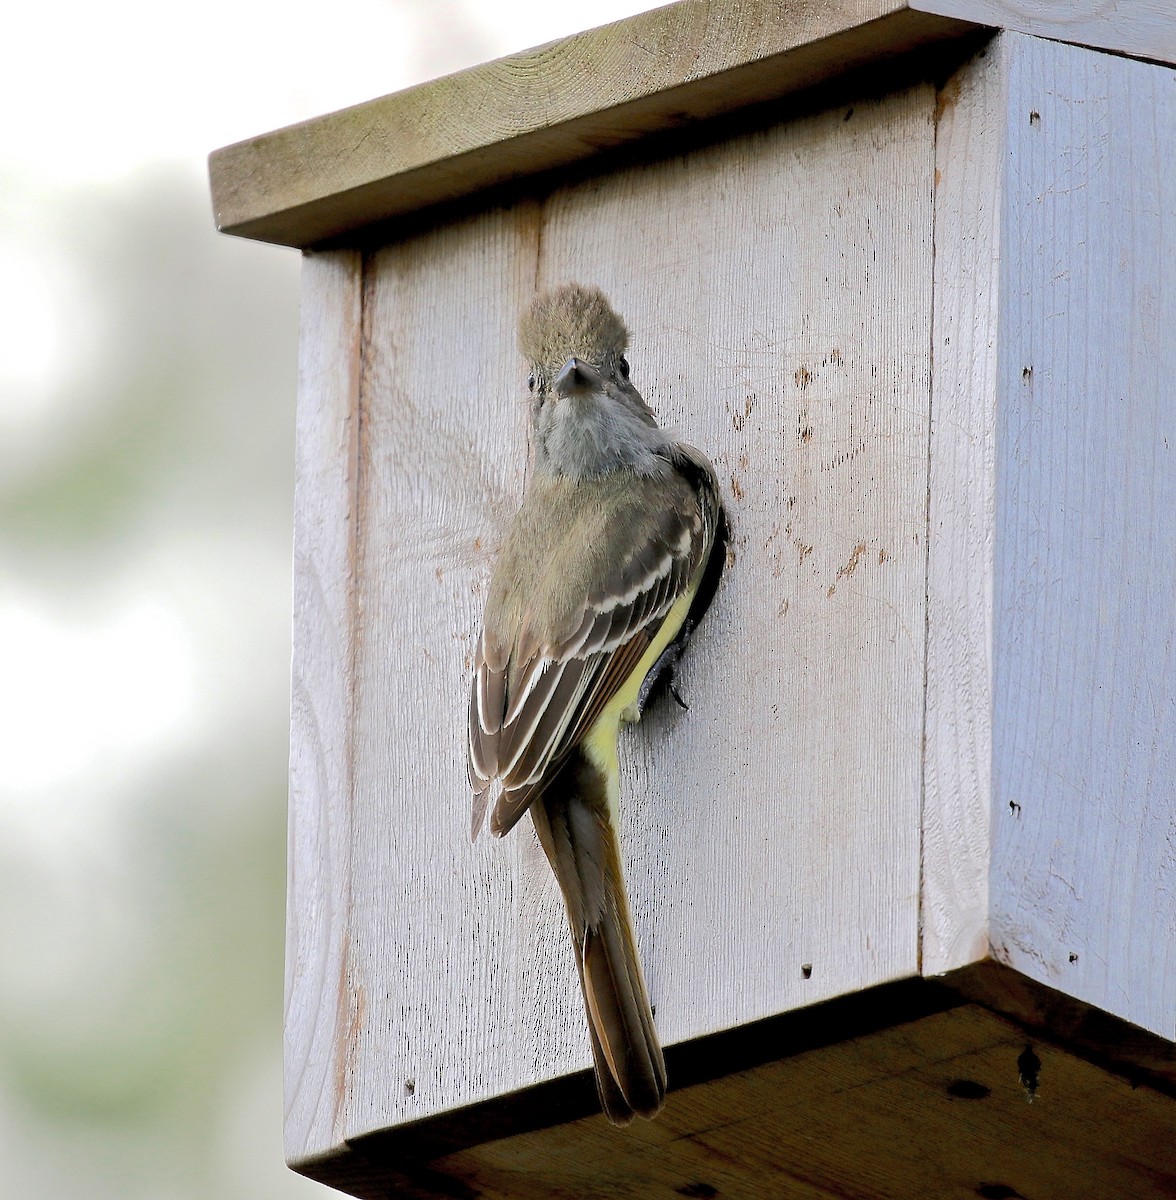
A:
[(530, 705)]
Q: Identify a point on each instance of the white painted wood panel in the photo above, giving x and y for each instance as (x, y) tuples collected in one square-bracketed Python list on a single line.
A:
[(1083, 891), (776, 824), (969, 172), (319, 1041), (1144, 28), (778, 288), (436, 926)]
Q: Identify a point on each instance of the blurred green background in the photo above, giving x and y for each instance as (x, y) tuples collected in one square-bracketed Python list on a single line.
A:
[(147, 374)]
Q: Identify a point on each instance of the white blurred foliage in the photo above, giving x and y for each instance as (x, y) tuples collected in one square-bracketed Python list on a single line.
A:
[(34, 330), (80, 697)]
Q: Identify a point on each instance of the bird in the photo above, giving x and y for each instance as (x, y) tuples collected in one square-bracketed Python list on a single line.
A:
[(612, 560)]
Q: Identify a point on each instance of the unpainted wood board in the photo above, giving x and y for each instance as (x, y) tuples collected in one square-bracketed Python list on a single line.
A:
[(1083, 888), (969, 173), (318, 1011), (1143, 28), (1106, 1040), (932, 1109), (779, 292), (434, 928), (778, 287), (549, 107)]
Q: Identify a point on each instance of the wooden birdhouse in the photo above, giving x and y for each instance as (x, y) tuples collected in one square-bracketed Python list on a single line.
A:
[(906, 271)]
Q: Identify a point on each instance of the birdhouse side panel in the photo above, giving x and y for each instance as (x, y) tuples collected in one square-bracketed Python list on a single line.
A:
[(1084, 726), (319, 964)]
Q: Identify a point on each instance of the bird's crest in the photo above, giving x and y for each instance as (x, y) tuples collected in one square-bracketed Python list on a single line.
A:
[(571, 320)]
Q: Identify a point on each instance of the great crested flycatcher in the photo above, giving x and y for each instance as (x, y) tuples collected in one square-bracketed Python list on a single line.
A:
[(611, 562)]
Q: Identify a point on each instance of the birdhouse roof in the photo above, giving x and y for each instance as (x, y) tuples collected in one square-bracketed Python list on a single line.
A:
[(547, 110)]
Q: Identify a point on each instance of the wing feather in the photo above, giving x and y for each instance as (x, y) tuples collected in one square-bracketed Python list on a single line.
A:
[(536, 695), (534, 735)]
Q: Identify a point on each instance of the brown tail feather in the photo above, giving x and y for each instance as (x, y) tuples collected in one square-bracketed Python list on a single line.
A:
[(574, 826)]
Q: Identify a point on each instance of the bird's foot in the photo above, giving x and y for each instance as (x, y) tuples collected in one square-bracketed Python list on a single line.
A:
[(661, 679)]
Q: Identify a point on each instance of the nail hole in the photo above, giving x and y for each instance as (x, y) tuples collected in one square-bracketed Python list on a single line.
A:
[(1014, 808), (1073, 957), (806, 970), (410, 1087), (1035, 118), (1026, 372), (1028, 1071)]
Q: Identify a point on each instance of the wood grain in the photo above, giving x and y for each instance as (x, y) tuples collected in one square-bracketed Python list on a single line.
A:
[(437, 958), (561, 103), (1107, 1041), (969, 192), (549, 107), (320, 1011), (776, 824), (920, 1111), (770, 330), (1083, 891), (1143, 28)]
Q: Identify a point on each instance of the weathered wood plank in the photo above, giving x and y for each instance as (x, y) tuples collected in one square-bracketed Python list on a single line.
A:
[(319, 1018), (969, 179), (1143, 28), (923, 1110), (566, 101), (1083, 888), (775, 825), (436, 951), (1105, 1040), (549, 107), (770, 331), (907, 1090)]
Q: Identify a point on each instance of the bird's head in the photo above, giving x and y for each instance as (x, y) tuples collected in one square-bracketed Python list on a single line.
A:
[(587, 415), (573, 339)]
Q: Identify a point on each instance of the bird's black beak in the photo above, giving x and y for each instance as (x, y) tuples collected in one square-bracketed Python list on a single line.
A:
[(577, 376)]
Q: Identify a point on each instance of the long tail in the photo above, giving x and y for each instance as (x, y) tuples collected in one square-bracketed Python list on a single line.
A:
[(574, 825)]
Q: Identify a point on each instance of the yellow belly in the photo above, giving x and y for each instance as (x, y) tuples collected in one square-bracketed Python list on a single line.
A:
[(600, 742)]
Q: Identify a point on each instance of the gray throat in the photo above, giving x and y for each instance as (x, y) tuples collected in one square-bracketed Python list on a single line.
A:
[(589, 435)]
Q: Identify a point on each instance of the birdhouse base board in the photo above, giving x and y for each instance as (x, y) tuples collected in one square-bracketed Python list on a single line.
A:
[(914, 1089)]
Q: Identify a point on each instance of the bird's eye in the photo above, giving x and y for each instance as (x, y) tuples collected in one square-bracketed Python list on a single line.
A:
[(531, 381), (623, 364)]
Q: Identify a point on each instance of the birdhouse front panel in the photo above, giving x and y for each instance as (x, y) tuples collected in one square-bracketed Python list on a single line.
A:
[(777, 287)]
